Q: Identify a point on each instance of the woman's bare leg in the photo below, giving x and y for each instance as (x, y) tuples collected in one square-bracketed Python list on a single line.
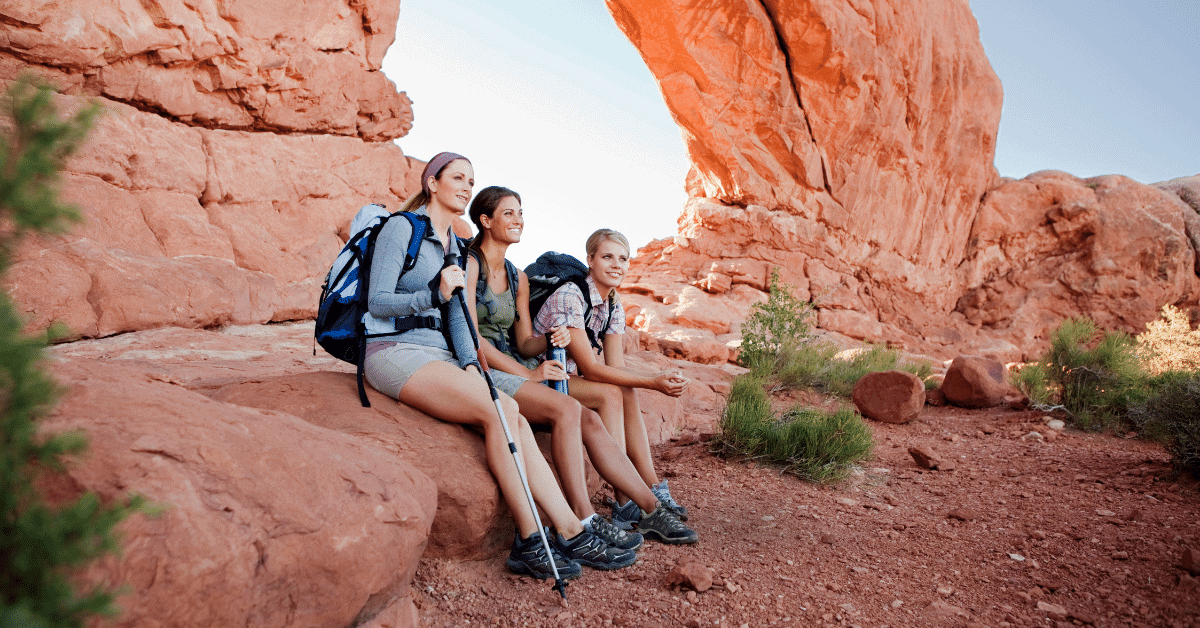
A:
[(612, 463), (442, 390), (609, 402), (606, 400), (543, 405), (540, 404), (637, 442)]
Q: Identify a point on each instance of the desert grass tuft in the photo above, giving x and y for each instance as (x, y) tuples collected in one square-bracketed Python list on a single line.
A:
[(814, 445)]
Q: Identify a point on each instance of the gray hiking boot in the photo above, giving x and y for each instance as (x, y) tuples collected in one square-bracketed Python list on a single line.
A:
[(664, 526), (591, 551), (663, 493), (611, 534), (528, 558), (625, 516)]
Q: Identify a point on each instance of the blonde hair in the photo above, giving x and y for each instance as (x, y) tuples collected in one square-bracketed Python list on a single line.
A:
[(600, 235), (415, 202)]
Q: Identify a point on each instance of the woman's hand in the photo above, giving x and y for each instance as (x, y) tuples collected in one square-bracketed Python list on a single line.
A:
[(559, 336), (453, 278), (549, 370), (671, 383), (471, 368)]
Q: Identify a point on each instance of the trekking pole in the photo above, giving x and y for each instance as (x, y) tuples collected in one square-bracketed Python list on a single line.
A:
[(559, 584)]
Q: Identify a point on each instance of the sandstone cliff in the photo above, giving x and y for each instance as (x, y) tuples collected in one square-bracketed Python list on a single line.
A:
[(850, 144), (238, 139)]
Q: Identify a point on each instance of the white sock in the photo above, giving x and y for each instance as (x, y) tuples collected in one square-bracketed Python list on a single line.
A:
[(585, 520)]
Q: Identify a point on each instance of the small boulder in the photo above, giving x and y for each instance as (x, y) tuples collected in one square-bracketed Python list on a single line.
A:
[(926, 459), (690, 573), (889, 396), (1052, 610), (963, 514), (975, 382), (1191, 561)]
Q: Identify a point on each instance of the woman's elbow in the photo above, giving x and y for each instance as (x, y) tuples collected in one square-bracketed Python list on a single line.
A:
[(590, 371)]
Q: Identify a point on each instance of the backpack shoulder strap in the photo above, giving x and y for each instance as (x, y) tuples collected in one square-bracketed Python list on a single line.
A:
[(581, 283), (414, 243), (514, 281)]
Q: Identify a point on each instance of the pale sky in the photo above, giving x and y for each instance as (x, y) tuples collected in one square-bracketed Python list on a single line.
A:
[(549, 98)]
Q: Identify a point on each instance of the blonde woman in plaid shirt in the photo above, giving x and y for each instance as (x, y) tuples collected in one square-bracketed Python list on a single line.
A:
[(604, 383)]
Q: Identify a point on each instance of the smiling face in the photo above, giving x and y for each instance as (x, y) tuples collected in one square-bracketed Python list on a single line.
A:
[(507, 222), (452, 188), (608, 265)]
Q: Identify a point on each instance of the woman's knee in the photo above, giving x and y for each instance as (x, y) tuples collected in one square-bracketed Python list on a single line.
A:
[(565, 412), (590, 422), (611, 397)]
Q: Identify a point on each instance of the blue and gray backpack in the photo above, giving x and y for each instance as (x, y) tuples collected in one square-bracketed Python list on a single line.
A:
[(343, 322)]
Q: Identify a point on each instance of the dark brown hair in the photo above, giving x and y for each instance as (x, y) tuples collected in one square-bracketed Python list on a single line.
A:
[(485, 204)]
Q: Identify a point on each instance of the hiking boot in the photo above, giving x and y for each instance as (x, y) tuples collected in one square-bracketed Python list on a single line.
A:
[(611, 534), (590, 550), (663, 493), (664, 526), (625, 516), (528, 558)]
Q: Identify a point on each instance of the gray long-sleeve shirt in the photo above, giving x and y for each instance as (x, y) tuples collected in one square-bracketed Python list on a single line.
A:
[(394, 295)]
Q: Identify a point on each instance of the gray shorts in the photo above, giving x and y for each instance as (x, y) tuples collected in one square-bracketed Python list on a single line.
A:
[(388, 370), (507, 383)]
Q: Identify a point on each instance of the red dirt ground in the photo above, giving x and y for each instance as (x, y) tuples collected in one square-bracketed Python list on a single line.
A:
[(1093, 528)]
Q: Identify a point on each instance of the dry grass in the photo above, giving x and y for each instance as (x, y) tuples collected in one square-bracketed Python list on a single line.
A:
[(1170, 343)]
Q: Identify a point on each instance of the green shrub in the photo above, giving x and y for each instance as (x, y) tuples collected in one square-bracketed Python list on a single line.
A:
[(1172, 416), (39, 544), (781, 324), (1093, 376), (1033, 379), (813, 445)]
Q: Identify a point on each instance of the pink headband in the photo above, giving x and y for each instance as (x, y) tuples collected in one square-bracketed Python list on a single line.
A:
[(435, 166)]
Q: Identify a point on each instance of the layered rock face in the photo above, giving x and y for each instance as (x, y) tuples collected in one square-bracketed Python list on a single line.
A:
[(284, 501), (265, 519), (238, 139), (850, 144)]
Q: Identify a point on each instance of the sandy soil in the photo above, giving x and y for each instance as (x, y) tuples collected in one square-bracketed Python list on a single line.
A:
[(1073, 530)]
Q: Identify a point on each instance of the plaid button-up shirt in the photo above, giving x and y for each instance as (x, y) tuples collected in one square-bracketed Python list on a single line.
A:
[(565, 307)]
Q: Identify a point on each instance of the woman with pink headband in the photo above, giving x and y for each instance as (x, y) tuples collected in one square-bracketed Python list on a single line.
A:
[(429, 363)]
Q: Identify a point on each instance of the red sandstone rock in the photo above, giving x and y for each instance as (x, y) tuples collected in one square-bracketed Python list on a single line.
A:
[(167, 240), (245, 66), (924, 457), (691, 573), (265, 518), (1107, 247), (1187, 189), (837, 167), (975, 382), (471, 520), (889, 396)]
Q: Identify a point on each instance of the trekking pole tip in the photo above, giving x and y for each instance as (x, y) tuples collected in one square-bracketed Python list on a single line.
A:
[(561, 587)]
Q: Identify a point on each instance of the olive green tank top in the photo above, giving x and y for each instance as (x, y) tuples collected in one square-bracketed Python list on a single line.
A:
[(497, 313)]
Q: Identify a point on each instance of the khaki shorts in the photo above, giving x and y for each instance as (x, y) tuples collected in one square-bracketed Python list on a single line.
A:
[(389, 369)]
